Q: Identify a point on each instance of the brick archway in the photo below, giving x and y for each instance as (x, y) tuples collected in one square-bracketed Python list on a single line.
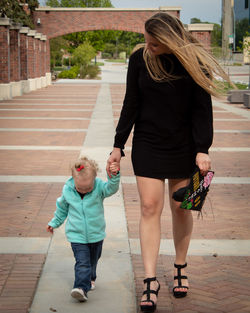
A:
[(25, 53), (54, 22)]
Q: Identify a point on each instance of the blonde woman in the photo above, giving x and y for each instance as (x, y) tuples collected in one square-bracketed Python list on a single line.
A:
[(168, 102)]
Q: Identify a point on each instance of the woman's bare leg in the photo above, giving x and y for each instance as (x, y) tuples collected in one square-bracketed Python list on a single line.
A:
[(151, 193), (182, 221)]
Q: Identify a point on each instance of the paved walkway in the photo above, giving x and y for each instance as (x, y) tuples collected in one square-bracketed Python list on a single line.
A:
[(239, 74), (40, 134)]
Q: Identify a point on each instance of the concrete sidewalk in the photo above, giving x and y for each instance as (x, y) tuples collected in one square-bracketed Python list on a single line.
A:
[(238, 74), (115, 290), (40, 134)]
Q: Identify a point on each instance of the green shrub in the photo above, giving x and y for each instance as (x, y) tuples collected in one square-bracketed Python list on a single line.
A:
[(71, 73), (90, 71), (58, 68), (107, 55), (83, 54), (83, 71), (93, 71)]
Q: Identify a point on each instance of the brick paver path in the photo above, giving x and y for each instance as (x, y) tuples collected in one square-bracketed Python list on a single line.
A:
[(42, 132)]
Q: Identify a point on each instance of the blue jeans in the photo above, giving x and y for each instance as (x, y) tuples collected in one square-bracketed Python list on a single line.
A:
[(86, 256)]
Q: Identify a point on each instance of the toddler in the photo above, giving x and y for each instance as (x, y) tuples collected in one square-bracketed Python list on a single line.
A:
[(81, 203)]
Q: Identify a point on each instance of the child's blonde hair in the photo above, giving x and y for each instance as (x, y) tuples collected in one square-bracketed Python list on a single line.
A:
[(84, 166)]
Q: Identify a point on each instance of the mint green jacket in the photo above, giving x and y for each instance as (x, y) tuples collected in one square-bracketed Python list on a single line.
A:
[(85, 217)]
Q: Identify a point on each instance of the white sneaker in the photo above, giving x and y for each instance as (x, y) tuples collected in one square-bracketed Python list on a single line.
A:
[(79, 294), (92, 285)]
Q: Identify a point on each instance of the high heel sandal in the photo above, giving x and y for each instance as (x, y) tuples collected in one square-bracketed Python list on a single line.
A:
[(180, 294), (148, 291)]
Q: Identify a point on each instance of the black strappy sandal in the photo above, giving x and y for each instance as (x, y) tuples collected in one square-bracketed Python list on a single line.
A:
[(148, 291), (180, 294)]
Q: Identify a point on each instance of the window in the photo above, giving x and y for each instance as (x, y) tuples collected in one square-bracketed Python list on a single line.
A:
[(246, 4)]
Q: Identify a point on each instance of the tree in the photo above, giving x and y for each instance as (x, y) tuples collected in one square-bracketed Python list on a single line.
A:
[(57, 45), (242, 28), (246, 47), (216, 38), (13, 9), (53, 3), (82, 56), (96, 38), (195, 20), (79, 3)]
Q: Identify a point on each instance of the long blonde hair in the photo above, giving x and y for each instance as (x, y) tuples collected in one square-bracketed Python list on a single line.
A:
[(197, 61)]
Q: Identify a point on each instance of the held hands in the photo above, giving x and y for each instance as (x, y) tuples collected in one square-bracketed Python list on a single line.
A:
[(50, 229), (114, 157), (203, 161), (114, 168)]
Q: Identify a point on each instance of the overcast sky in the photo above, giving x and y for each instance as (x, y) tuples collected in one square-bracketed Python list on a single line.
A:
[(205, 10)]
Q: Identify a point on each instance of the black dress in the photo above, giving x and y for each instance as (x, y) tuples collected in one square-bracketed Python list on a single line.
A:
[(172, 120)]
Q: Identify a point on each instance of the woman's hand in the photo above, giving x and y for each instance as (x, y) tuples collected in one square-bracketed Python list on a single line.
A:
[(115, 156), (203, 161)]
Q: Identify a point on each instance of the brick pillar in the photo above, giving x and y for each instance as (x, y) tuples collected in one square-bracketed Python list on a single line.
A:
[(47, 57), (15, 68), (24, 52), (31, 53), (4, 51), (38, 71), (43, 54), (202, 32)]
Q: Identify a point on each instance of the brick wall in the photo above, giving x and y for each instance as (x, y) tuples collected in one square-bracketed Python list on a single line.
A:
[(14, 55), (204, 37), (4, 55), (47, 56), (202, 32), (43, 57), (24, 56), (37, 57), (31, 56)]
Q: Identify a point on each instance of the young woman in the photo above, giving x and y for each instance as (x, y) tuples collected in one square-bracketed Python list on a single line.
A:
[(168, 102)]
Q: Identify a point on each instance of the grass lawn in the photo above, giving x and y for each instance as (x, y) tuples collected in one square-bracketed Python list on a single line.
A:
[(116, 60)]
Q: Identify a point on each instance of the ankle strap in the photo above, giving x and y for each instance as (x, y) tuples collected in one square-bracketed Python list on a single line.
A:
[(148, 280), (180, 266)]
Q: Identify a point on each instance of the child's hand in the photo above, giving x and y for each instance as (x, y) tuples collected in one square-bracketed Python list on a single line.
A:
[(114, 168), (50, 229)]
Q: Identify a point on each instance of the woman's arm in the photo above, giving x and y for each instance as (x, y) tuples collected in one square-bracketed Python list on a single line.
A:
[(131, 101), (128, 112), (202, 127)]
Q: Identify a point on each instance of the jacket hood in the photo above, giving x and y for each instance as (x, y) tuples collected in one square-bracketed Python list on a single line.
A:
[(70, 183)]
